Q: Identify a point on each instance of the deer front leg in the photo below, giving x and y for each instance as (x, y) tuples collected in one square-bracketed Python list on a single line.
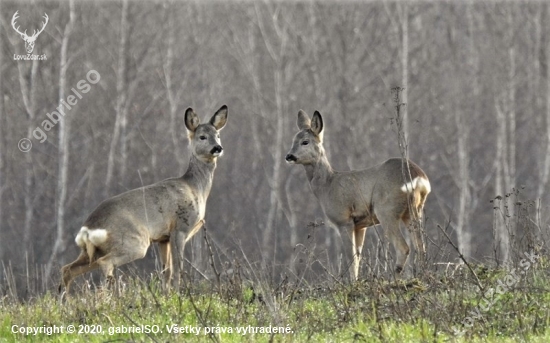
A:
[(166, 259), (177, 242), (355, 258), (359, 233)]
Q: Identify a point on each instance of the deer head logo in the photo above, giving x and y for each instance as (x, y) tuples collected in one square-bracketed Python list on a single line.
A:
[(29, 40)]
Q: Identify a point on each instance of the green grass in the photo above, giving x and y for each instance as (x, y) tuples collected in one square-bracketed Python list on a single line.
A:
[(416, 310)]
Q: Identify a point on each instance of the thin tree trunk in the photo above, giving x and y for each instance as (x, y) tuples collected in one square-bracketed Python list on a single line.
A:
[(510, 177), (274, 207), (546, 164), (405, 68), (464, 234), (171, 95), (2, 184), (29, 93), (276, 51), (63, 149), (120, 121), (462, 229), (500, 228)]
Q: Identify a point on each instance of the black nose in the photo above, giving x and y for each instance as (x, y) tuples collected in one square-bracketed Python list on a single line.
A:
[(216, 150), (290, 158)]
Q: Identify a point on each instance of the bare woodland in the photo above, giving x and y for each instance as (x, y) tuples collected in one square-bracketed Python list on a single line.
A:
[(476, 83)]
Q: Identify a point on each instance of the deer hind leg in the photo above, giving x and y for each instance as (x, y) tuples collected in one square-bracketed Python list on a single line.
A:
[(79, 266), (413, 221), (390, 223), (117, 258), (166, 259)]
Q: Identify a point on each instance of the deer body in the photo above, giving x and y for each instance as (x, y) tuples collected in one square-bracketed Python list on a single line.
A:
[(169, 212), (355, 200)]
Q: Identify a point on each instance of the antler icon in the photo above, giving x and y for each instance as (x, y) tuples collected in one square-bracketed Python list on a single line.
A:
[(29, 40)]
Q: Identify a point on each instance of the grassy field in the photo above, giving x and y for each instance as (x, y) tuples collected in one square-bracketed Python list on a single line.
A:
[(462, 305)]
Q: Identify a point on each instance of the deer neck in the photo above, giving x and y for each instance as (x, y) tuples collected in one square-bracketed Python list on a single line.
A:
[(320, 172), (200, 174)]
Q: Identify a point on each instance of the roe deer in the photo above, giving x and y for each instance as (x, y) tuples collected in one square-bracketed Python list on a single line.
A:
[(169, 212), (353, 200)]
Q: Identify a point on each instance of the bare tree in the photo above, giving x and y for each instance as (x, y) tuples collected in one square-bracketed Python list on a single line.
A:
[(63, 141), (543, 184), (464, 234), (506, 145), (29, 93), (2, 114), (120, 121), (510, 173), (126, 87), (172, 95), (276, 39), (401, 29), (404, 20)]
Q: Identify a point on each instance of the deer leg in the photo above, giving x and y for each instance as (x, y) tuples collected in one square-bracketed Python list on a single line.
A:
[(114, 259), (166, 259), (178, 244), (80, 266), (359, 233), (415, 228), (390, 223), (354, 257)]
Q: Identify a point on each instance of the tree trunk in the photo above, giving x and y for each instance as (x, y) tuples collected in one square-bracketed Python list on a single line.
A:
[(171, 95), (29, 93), (405, 68), (500, 227), (277, 50), (274, 208), (510, 177), (546, 153), (2, 184), (63, 149), (464, 235), (119, 129)]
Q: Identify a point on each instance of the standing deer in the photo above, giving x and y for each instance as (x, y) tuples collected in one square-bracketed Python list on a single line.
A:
[(354, 200), (169, 212)]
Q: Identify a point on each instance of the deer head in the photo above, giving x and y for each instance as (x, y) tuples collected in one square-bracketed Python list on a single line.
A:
[(29, 40)]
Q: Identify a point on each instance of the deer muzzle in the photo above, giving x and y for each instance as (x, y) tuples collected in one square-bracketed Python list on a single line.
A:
[(290, 158), (217, 150)]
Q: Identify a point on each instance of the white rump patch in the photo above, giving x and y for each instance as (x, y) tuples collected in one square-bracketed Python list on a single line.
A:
[(85, 235), (416, 183), (82, 237), (97, 236)]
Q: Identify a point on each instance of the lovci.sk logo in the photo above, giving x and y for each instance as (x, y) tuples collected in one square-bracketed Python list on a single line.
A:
[(29, 40)]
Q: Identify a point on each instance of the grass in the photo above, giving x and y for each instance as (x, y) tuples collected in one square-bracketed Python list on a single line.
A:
[(383, 310), (462, 303)]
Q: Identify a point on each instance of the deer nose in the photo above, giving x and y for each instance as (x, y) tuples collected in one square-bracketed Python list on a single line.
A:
[(216, 150), (290, 158)]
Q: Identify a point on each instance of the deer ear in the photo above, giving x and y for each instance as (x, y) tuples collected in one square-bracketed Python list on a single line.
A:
[(191, 120), (317, 124), (303, 120), (219, 119)]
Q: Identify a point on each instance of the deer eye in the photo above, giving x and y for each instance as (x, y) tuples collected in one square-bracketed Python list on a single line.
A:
[(202, 137), (305, 142)]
